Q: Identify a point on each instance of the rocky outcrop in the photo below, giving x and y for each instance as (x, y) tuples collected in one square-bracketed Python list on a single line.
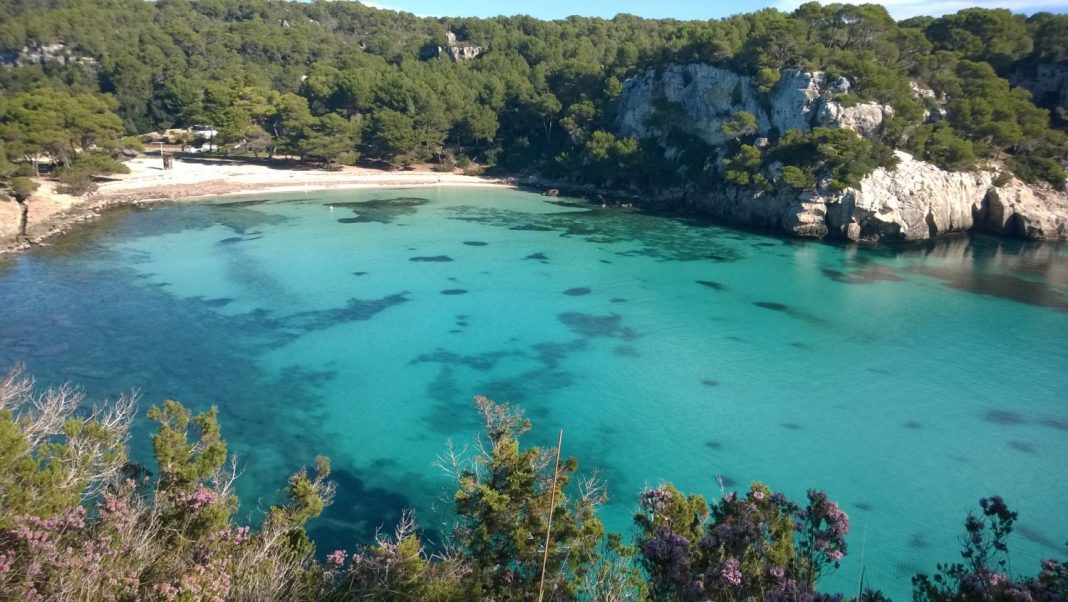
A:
[(703, 97), (459, 51), (1024, 211), (43, 54), (911, 202)]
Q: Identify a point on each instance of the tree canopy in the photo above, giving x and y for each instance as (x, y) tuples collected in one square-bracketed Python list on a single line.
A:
[(335, 81)]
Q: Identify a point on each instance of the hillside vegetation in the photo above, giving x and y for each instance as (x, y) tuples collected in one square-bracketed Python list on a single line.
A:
[(340, 81)]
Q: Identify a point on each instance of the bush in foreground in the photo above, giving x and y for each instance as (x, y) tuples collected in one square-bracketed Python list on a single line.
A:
[(78, 521)]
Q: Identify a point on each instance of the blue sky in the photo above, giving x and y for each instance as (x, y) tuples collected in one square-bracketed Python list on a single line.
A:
[(684, 9)]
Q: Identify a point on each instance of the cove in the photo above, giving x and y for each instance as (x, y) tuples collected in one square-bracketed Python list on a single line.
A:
[(907, 383)]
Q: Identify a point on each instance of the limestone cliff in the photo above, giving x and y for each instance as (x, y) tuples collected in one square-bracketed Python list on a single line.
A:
[(709, 95), (913, 201)]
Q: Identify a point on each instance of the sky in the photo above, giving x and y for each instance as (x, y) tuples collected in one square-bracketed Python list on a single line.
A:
[(684, 9)]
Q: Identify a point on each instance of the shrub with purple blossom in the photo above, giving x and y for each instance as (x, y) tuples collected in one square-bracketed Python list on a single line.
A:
[(77, 522), (821, 527), (983, 575), (759, 546), (73, 527)]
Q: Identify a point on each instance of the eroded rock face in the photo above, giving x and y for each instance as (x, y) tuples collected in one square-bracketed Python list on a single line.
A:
[(709, 95), (866, 119), (457, 50), (43, 54), (1021, 210), (913, 201)]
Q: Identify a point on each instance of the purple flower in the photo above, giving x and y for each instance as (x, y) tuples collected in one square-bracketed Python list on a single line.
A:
[(730, 572)]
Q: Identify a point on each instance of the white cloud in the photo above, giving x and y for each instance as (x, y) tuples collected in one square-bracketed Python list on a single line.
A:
[(903, 9)]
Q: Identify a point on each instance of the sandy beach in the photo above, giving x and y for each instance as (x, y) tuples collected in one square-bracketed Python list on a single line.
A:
[(51, 213)]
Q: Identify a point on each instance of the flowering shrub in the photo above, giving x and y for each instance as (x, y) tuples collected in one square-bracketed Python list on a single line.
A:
[(73, 527), (983, 575), (760, 546), (77, 522)]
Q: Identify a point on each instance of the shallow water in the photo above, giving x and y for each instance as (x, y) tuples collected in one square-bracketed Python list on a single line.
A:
[(906, 383)]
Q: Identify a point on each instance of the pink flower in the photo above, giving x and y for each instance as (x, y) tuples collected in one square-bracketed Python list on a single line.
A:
[(835, 555), (201, 498), (336, 558)]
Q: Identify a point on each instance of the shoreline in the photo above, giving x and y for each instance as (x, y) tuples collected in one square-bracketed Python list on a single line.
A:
[(52, 214)]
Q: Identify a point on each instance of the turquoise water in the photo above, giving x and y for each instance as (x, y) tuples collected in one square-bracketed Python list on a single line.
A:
[(906, 383)]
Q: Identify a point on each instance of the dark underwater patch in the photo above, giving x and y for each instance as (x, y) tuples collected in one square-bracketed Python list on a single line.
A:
[(589, 325), (869, 273), (219, 302), (713, 444), (359, 273), (997, 284), (709, 382), (1036, 536), (725, 481), (1003, 417), (475, 243), (800, 345), (659, 237), (917, 541), (553, 354), (482, 362), (793, 426), (357, 514), (354, 311), (578, 291), (912, 424), (626, 351), (862, 506), (528, 389), (716, 286), (531, 228), (432, 259), (229, 204), (381, 211), (617, 300), (537, 257), (454, 291), (1023, 446), (1060, 424), (793, 313), (231, 240)]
